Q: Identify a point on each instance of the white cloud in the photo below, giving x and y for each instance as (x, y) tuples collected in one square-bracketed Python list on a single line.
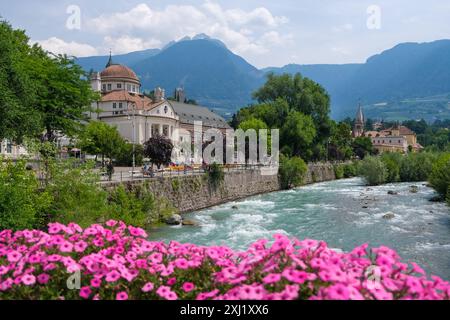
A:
[(59, 46), (251, 32), (127, 44)]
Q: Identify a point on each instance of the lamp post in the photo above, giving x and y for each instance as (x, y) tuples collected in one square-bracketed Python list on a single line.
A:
[(134, 138)]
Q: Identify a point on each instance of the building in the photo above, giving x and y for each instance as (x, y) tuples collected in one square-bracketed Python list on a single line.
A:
[(11, 150), (138, 117), (396, 139)]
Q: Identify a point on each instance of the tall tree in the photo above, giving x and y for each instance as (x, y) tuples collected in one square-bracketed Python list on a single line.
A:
[(17, 86), (64, 95)]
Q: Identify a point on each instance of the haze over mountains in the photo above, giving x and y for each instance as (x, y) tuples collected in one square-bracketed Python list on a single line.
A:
[(391, 84)]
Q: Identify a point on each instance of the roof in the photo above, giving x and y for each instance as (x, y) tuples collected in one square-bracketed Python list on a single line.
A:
[(119, 71), (142, 102), (188, 113), (404, 131)]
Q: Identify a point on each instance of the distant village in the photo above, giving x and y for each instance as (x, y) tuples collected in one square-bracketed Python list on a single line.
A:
[(395, 139)]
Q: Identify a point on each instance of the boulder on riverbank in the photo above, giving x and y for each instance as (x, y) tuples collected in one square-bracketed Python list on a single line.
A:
[(392, 193), (174, 220), (235, 207)]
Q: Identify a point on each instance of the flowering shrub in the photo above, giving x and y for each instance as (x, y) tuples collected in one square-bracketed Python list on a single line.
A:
[(116, 261)]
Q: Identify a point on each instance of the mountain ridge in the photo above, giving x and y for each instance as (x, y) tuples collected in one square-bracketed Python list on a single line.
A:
[(218, 78)]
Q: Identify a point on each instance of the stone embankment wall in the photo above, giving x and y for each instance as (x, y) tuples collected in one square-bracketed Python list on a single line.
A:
[(191, 193)]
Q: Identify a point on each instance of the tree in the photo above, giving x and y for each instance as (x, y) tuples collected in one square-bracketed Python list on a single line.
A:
[(362, 146), (292, 172), (17, 86), (440, 176), (99, 138), (302, 95), (340, 147), (298, 132), (124, 156), (159, 150), (374, 171), (64, 95)]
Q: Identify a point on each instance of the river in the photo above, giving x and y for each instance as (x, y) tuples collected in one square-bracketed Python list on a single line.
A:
[(344, 213)]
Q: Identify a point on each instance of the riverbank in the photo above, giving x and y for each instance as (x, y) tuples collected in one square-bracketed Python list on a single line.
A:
[(193, 193)]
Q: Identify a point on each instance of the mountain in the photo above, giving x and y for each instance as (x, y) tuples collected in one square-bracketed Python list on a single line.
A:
[(208, 71), (407, 71), (218, 78)]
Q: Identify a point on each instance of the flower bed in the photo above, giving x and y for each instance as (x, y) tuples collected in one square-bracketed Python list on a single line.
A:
[(115, 261)]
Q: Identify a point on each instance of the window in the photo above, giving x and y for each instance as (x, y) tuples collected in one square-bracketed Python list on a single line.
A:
[(120, 105), (166, 109), (8, 147), (114, 105), (104, 87), (119, 86), (129, 87), (134, 88), (181, 139), (109, 86)]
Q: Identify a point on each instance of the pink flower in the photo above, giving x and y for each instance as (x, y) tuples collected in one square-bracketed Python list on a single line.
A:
[(14, 256), (85, 292), (147, 287), (122, 296), (188, 287), (80, 246), (43, 278), (96, 283), (28, 279), (171, 281), (272, 278), (113, 276), (338, 292)]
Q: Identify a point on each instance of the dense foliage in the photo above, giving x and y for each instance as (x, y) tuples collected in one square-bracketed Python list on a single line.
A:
[(22, 204), (374, 171), (71, 193), (440, 175), (116, 261), (292, 172)]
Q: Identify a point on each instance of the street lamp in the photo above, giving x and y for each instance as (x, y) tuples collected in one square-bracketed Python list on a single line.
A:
[(134, 138)]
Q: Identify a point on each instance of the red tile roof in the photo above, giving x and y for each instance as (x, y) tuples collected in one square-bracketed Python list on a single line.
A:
[(140, 101)]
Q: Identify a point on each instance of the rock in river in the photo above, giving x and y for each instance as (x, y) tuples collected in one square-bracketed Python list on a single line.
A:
[(389, 216), (174, 220)]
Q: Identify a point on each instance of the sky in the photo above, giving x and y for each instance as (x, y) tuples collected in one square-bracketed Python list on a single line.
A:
[(265, 33)]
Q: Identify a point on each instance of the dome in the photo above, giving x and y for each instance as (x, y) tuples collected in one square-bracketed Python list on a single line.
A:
[(119, 71)]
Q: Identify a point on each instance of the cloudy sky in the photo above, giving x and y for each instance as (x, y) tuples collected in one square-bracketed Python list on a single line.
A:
[(266, 33)]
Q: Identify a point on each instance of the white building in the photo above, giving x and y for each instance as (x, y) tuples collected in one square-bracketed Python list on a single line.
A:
[(136, 116), (10, 150)]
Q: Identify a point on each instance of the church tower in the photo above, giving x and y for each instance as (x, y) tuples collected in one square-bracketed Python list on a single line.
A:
[(358, 129)]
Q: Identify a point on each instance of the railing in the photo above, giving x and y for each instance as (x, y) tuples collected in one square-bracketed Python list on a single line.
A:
[(137, 175)]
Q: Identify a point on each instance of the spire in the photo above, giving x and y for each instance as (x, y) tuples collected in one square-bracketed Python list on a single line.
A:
[(110, 62), (360, 115)]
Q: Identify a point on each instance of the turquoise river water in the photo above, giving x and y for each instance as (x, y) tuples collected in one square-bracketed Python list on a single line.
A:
[(343, 213)]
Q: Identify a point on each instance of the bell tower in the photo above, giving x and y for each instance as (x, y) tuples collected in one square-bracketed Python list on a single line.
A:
[(358, 129)]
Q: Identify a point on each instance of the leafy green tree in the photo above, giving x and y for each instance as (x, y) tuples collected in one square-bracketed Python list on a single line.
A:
[(298, 132), (440, 175), (292, 172), (17, 86), (416, 166), (23, 204), (64, 95), (124, 156), (159, 150), (374, 171), (392, 161), (362, 146), (99, 138), (302, 95), (340, 146)]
